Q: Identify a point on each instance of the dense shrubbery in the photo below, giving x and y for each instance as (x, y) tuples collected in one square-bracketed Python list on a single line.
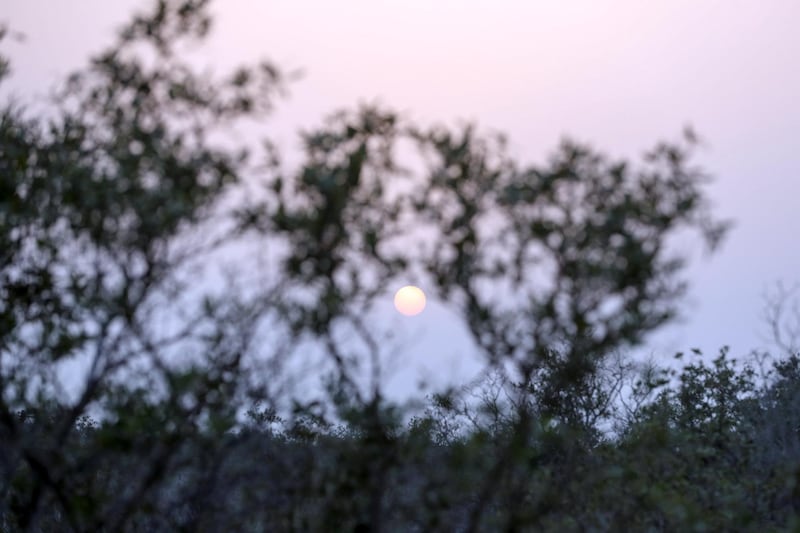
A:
[(149, 360), (715, 450)]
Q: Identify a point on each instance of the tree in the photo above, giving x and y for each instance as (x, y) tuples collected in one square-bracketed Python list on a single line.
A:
[(104, 212), (109, 210)]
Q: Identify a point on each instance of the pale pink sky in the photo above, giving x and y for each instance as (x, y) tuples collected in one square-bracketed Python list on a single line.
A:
[(619, 74)]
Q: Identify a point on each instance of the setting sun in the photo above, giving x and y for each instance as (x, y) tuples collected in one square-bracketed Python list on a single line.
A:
[(409, 300)]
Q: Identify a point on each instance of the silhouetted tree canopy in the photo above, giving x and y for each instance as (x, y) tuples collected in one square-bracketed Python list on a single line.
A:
[(164, 293)]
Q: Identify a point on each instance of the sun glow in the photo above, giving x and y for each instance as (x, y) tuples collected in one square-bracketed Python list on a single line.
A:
[(409, 300)]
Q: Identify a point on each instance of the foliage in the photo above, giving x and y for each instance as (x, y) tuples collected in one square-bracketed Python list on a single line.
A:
[(151, 368)]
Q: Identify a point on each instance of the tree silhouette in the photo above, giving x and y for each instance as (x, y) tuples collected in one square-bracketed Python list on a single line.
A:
[(130, 232)]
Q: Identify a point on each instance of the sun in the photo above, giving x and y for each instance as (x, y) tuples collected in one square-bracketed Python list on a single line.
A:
[(409, 300)]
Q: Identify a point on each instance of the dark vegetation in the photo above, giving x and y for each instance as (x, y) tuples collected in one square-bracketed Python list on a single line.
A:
[(160, 292)]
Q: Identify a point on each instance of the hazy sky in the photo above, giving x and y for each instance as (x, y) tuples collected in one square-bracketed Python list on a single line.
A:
[(619, 74)]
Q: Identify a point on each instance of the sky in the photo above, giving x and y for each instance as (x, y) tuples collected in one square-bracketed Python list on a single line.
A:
[(618, 74)]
